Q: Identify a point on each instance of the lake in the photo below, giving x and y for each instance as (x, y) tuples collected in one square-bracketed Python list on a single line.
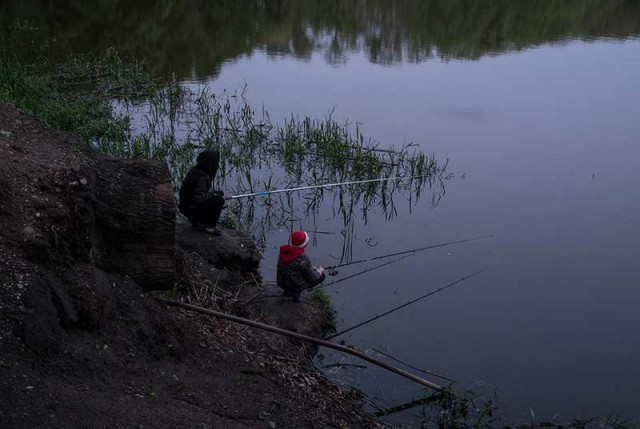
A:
[(536, 106)]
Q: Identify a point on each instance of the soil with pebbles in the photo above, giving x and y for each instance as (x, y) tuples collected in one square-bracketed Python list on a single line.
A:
[(81, 347)]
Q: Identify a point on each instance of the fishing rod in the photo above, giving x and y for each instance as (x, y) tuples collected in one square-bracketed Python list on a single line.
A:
[(406, 304), (328, 185), (364, 271), (433, 246)]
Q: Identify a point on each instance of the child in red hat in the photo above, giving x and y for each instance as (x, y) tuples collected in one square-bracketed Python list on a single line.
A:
[(295, 272)]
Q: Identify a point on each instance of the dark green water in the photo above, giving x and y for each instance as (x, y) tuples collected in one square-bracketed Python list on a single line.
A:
[(535, 104)]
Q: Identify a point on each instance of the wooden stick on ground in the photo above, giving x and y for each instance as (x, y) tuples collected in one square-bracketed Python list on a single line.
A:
[(307, 338)]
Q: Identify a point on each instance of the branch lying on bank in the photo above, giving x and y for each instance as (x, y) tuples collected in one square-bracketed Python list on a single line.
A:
[(317, 341)]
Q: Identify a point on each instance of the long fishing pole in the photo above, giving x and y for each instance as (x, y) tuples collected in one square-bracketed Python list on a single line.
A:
[(406, 304), (327, 185), (433, 246)]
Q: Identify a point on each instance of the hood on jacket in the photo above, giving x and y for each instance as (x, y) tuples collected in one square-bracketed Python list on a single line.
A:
[(208, 161), (288, 253)]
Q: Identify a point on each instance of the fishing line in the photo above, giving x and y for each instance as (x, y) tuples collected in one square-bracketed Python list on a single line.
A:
[(432, 246), (407, 303), (367, 270)]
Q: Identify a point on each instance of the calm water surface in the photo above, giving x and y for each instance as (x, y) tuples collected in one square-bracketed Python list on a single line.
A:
[(547, 142), (536, 106)]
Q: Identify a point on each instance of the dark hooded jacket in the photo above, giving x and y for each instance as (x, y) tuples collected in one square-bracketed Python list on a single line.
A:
[(294, 272), (196, 185)]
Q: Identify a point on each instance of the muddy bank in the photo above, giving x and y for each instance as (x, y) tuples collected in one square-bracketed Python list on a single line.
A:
[(84, 342)]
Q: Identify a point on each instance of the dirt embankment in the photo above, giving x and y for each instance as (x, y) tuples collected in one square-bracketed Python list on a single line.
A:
[(86, 347)]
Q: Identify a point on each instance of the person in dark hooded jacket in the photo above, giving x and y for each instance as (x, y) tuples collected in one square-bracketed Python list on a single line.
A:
[(201, 207), (294, 272)]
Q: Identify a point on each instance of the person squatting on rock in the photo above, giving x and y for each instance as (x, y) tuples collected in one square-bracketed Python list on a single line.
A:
[(295, 273), (197, 203)]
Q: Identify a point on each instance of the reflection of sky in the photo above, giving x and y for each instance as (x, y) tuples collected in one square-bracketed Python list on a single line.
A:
[(549, 141)]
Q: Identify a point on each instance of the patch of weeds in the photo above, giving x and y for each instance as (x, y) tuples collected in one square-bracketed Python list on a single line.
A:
[(229, 220), (322, 302), (125, 112), (106, 76), (34, 89), (450, 410), (614, 421)]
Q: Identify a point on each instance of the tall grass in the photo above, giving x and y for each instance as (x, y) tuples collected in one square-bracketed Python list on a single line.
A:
[(125, 112), (38, 93)]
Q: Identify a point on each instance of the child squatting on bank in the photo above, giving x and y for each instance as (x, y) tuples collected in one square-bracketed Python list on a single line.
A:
[(295, 272)]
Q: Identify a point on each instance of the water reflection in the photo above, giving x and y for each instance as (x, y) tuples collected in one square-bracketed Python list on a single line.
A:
[(193, 39)]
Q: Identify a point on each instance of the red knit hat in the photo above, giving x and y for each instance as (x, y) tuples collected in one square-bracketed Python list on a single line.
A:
[(299, 239)]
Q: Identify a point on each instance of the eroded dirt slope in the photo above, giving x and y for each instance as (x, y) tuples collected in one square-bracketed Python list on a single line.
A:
[(82, 347)]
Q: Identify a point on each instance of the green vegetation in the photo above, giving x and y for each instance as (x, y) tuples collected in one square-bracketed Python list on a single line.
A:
[(125, 112), (78, 95), (38, 93), (322, 302), (451, 410)]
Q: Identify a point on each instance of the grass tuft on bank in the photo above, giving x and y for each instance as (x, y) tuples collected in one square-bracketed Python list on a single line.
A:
[(36, 90)]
